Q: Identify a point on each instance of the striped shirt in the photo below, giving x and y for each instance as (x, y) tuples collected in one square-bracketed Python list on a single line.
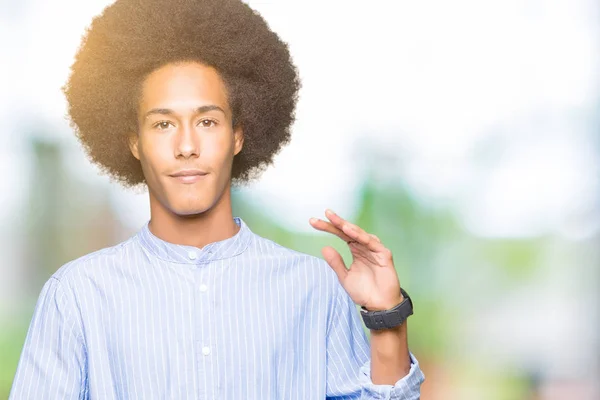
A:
[(240, 318)]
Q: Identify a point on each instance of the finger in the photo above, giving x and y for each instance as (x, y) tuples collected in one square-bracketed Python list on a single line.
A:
[(363, 238), (355, 232), (335, 261), (348, 232), (328, 227), (335, 219), (343, 224)]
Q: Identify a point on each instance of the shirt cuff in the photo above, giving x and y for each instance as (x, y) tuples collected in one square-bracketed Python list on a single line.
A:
[(407, 388)]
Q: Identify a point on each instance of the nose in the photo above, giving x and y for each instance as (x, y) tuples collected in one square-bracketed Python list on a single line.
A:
[(188, 143)]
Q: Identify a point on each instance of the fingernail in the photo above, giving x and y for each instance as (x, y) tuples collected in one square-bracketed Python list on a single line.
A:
[(313, 220)]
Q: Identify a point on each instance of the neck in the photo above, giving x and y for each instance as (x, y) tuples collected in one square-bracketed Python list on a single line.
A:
[(197, 230)]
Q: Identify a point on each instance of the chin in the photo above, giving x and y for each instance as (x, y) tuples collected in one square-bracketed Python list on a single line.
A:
[(184, 208), (189, 211)]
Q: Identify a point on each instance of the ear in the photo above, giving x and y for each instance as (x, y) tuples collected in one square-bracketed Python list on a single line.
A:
[(133, 142), (238, 137)]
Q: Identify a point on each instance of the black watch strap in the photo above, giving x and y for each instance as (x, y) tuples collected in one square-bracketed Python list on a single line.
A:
[(387, 319)]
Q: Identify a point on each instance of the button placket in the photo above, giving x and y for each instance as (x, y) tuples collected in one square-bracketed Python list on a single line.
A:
[(204, 341)]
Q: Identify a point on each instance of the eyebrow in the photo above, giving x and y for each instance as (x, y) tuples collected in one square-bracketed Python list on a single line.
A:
[(168, 111)]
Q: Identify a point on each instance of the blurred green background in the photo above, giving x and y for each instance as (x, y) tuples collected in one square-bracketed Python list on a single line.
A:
[(463, 134)]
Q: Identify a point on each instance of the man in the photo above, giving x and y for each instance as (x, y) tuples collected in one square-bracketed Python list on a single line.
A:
[(187, 98)]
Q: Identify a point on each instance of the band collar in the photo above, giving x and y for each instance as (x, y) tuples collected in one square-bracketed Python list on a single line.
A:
[(192, 255)]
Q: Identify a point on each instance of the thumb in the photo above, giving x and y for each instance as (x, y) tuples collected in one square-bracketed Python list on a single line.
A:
[(335, 261)]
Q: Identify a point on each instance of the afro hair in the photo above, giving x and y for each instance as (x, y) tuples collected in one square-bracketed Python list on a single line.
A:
[(132, 38)]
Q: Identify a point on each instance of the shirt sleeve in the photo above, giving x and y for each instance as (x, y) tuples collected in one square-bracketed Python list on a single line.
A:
[(348, 359), (52, 363)]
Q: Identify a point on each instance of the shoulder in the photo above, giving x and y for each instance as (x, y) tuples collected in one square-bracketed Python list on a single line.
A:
[(267, 248), (273, 253), (91, 262)]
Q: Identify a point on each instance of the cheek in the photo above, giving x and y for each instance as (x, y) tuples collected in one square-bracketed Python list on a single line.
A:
[(154, 156), (219, 150)]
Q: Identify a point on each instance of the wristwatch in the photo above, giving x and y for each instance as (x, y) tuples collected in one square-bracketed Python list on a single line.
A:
[(387, 319)]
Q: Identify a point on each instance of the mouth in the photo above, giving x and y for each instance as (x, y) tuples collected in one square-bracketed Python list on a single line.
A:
[(189, 176)]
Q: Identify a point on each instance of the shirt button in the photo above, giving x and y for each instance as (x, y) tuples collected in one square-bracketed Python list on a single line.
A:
[(206, 350), (192, 255), (203, 288)]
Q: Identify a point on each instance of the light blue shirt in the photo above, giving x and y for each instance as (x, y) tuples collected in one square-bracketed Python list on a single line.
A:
[(241, 318)]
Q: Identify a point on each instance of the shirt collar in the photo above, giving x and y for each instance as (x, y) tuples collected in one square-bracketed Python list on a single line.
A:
[(183, 254)]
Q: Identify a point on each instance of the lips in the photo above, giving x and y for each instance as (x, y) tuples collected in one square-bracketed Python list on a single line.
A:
[(189, 176), (189, 172)]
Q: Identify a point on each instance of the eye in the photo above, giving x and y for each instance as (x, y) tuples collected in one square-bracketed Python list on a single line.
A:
[(161, 125), (206, 123)]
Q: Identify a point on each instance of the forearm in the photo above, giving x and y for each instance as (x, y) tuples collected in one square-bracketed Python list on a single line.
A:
[(390, 359)]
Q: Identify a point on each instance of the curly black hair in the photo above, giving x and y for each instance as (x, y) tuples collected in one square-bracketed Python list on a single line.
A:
[(132, 38)]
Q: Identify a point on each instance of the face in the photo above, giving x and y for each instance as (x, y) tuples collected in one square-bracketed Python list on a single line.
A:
[(185, 140)]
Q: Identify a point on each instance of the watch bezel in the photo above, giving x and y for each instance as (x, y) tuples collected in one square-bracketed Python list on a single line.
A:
[(380, 319)]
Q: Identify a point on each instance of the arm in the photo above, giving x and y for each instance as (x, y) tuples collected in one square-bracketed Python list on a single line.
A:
[(371, 281), (52, 363), (390, 359), (349, 372)]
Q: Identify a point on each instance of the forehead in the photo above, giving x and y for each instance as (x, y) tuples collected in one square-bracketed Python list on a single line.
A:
[(183, 85)]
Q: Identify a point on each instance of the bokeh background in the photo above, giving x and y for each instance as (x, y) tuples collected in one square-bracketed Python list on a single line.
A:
[(465, 134)]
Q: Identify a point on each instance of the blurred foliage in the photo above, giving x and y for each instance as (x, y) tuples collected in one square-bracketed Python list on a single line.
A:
[(12, 337)]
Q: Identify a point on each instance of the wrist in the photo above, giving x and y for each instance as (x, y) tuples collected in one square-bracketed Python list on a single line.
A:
[(396, 331), (386, 305), (388, 318)]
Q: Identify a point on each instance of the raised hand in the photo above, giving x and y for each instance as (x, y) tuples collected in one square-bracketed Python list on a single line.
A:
[(371, 280)]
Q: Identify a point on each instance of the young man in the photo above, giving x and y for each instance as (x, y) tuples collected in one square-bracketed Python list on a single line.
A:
[(188, 97)]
